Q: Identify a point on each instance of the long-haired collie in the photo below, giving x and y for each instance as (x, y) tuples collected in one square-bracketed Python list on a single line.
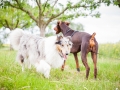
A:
[(42, 53)]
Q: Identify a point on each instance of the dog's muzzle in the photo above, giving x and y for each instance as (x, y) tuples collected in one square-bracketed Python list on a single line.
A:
[(64, 56)]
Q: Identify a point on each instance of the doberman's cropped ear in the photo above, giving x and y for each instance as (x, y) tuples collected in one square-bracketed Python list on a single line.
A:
[(67, 23), (59, 22)]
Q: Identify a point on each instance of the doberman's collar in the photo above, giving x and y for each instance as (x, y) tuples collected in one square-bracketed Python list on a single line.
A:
[(72, 33), (67, 31)]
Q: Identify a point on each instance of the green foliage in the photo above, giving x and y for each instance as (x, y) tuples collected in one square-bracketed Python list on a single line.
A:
[(43, 12), (13, 18), (12, 78)]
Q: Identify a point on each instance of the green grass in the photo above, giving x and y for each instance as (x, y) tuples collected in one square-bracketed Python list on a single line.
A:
[(12, 78), (110, 50)]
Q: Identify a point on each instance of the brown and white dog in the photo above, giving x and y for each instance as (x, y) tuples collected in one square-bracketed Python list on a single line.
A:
[(42, 53), (83, 42)]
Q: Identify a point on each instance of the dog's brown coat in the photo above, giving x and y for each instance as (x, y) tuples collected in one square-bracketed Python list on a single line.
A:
[(83, 42)]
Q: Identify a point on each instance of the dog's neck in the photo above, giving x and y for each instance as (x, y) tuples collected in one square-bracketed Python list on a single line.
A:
[(66, 30)]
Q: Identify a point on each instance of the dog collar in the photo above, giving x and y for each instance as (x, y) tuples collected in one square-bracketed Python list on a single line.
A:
[(73, 33), (67, 31)]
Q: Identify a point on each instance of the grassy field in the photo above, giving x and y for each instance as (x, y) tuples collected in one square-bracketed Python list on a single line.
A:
[(11, 77)]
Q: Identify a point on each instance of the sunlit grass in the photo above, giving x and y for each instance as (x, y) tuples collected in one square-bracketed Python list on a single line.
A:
[(12, 78)]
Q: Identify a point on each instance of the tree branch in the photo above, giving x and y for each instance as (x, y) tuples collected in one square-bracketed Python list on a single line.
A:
[(54, 16), (26, 11), (24, 25), (44, 6), (65, 9), (38, 4), (17, 23), (3, 24), (54, 4), (51, 8), (7, 24)]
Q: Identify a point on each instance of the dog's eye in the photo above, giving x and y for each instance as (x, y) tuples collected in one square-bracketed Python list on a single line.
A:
[(70, 44), (62, 45)]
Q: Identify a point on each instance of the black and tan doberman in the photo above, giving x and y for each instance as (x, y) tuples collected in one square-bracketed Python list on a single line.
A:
[(83, 42)]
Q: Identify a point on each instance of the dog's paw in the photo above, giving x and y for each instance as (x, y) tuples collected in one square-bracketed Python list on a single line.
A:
[(47, 75)]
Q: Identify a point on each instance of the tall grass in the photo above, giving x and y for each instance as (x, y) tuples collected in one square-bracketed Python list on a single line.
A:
[(110, 50), (12, 78)]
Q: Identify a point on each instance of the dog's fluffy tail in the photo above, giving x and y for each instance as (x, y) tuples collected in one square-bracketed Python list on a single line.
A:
[(91, 41), (15, 36)]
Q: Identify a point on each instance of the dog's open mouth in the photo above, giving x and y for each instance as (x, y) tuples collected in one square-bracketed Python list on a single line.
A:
[(64, 56)]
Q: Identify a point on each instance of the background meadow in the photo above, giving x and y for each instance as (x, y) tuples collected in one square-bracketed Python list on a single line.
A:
[(12, 78)]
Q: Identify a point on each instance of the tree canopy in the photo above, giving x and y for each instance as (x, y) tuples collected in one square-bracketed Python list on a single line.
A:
[(42, 12), (13, 18)]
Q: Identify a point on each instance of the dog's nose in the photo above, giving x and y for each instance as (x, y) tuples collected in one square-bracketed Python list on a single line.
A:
[(54, 28), (66, 53)]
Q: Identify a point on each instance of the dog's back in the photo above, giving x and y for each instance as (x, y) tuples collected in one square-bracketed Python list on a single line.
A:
[(15, 36)]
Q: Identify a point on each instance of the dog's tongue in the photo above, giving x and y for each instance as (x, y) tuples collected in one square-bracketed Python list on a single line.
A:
[(65, 57)]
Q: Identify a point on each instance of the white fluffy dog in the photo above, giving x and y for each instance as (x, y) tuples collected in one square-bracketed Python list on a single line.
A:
[(42, 53)]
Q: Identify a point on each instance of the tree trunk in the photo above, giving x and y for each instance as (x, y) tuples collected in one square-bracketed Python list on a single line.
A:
[(42, 30)]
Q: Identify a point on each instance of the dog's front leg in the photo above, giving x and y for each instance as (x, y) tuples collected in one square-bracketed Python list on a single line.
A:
[(43, 67), (47, 74), (62, 68)]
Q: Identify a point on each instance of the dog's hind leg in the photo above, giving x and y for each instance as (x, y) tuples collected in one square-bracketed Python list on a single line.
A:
[(77, 62), (84, 60), (22, 63), (20, 59), (84, 53), (94, 57)]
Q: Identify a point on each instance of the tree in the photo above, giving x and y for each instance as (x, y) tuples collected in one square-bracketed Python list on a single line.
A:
[(13, 18), (44, 12), (108, 2)]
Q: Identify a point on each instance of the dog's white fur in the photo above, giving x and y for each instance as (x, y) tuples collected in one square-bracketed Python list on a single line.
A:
[(40, 52)]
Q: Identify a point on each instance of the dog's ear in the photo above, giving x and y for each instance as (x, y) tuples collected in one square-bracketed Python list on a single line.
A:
[(70, 38), (59, 22), (59, 39), (67, 23), (58, 48)]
